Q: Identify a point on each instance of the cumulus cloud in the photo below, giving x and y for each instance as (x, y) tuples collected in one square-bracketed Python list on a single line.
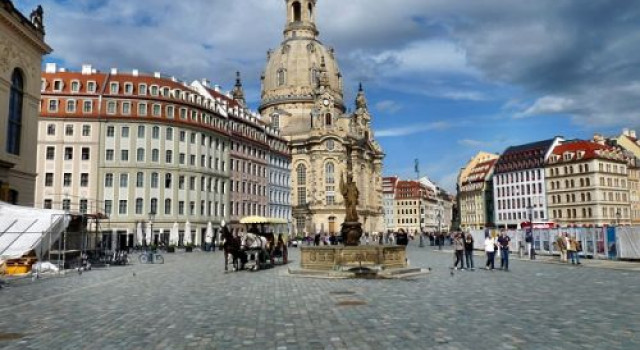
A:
[(413, 129)]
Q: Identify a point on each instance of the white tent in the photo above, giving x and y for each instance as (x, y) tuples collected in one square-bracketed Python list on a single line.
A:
[(149, 234), (187, 233), (174, 235), (24, 229), (208, 237), (139, 234)]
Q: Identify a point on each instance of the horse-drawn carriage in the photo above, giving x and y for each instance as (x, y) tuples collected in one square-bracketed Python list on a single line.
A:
[(261, 245)]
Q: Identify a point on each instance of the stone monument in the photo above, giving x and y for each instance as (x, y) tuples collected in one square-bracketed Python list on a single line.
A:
[(351, 227)]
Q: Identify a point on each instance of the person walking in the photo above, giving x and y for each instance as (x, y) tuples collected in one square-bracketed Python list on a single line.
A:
[(560, 243), (528, 238), (490, 250), (503, 243), (440, 240), (458, 247), (573, 250), (468, 251)]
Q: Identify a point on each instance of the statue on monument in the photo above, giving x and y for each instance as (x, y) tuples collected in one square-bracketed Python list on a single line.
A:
[(350, 193)]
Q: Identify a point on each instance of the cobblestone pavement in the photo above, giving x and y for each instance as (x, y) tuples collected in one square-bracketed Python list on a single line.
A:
[(190, 303)]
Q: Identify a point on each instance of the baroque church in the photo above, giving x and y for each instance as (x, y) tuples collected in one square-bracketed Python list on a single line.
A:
[(302, 95)]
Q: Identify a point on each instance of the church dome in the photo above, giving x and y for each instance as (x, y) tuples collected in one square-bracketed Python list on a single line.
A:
[(292, 69)]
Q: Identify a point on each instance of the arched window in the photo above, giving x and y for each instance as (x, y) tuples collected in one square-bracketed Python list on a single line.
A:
[(297, 11), (154, 205), (282, 77), (329, 175), (328, 120), (302, 184), (167, 181), (167, 206), (275, 121), (310, 11), (14, 127)]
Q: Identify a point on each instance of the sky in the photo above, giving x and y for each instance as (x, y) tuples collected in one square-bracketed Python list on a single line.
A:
[(444, 79)]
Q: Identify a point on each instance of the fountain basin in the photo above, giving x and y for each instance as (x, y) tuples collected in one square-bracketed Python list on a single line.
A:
[(347, 257)]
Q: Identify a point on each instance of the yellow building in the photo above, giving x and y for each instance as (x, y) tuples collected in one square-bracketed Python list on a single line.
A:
[(21, 49), (302, 95), (629, 142), (475, 192)]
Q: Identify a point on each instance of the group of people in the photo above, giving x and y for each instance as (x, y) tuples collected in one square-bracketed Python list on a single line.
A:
[(463, 248), (569, 248)]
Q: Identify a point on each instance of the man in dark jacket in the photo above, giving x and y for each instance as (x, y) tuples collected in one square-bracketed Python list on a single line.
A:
[(503, 243)]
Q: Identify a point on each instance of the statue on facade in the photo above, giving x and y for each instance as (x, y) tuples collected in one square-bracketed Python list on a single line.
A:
[(36, 18), (361, 100)]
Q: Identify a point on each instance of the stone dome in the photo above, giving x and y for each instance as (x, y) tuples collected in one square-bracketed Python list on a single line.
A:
[(291, 71)]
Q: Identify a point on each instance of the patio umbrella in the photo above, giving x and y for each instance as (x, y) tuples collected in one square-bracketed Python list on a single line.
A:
[(148, 233), (139, 234), (174, 235), (208, 237), (187, 233)]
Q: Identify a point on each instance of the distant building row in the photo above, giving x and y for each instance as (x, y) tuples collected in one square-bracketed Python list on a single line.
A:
[(553, 182), (416, 206)]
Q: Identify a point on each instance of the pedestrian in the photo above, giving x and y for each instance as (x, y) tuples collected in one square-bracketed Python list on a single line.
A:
[(431, 240), (503, 243), (560, 243), (573, 250), (528, 238), (468, 251), (458, 246), (440, 240), (490, 250)]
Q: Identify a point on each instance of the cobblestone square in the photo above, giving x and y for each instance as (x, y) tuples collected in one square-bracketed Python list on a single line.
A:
[(190, 303)]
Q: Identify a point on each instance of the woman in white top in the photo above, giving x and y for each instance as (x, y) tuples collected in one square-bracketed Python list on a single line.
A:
[(490, 249)]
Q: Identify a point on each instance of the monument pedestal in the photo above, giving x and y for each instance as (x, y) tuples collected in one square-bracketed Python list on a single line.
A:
[(346, 257), (351, 233)]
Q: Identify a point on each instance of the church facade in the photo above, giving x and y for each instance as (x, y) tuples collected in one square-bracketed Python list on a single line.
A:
[(302, 96)]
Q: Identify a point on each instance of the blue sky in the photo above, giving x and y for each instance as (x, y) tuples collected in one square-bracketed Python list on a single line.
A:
[(444, 78)]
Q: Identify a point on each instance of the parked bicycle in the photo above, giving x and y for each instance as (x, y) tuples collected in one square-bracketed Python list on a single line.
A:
[(149, 257)]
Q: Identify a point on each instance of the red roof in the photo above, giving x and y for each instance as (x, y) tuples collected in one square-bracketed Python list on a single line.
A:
[(480, 171), (591, 150)]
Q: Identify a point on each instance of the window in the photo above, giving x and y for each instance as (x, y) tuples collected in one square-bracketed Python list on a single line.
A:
[(66, 204), (155, 133), (110, 131), (167, 206), (125, 132), (142, 89), (192, 183), (68, 130), (111, 107), (122, 207), (113, 88), (140, 155), (302, 184), (282, 77), (170, 111), (84, 180), (156, 110), (181, 208), (140, 180), (14, 127), (182, 158), (109, 155), (167, 181), (51, 129), (155, 155), (57, 85), (71, 106), (169, 134), (142, 109), (86, 154), (153, 90), (124, 155), (75, 86), (48, 179), (154, 180), (53, 106), (192, 138), (128, 88), (154, 205), (124, 180), (126, 108), (68, 153), (139, 206), (66, 180), (91, 86), (182, 136), (48, 204), (169, 157), (51, 153), (108, 180), (86, 130), (108, 206), (141, 131)]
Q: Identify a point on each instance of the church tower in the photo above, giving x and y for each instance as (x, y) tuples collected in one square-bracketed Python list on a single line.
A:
[(302, 95)]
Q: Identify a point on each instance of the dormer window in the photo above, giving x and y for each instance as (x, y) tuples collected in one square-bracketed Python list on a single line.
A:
[(75, 86), (57, 85), (142, 89), (113, 88), (128, 88), (165, 91), (153, 90), (91, 86), (111, 107)]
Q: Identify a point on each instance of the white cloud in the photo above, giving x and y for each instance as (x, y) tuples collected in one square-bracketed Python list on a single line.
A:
[(548, 105), (412, 129), (388, 106)]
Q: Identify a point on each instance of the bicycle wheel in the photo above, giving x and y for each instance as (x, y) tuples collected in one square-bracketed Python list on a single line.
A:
[(144, 258), (159, 259)]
